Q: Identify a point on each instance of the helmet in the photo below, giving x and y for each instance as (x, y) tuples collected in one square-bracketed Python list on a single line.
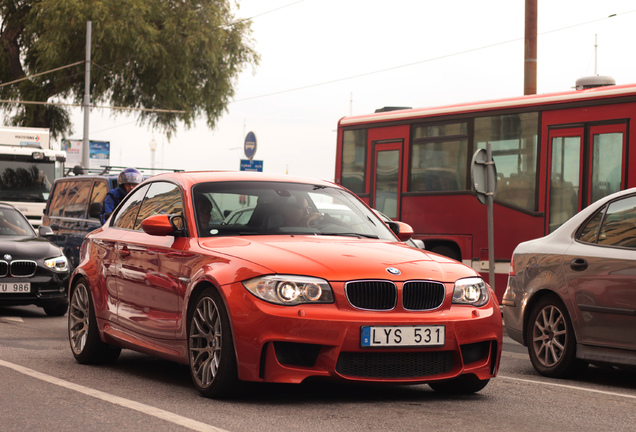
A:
[(129, 175)]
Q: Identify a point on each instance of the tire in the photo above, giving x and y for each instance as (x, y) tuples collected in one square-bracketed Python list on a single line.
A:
[(57, 310), (83, 333), (551, 340), (211, 348), (463, 384)]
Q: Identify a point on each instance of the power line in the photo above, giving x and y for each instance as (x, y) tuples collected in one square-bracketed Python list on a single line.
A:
[(423, 61), (93, 106)]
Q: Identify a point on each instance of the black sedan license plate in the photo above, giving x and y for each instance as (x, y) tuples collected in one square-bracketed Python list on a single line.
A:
[(402, 336), (23, 287)]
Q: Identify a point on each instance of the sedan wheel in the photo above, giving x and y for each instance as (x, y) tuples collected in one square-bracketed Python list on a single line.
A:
[(212, 358), (551, 340), (83, 333)]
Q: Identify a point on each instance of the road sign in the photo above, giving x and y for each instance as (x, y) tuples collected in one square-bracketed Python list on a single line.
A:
[(479, 174), (483, 174), (250, 145), (251, 165)]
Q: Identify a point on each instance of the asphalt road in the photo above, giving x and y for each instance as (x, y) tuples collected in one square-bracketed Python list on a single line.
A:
[(43, 388)]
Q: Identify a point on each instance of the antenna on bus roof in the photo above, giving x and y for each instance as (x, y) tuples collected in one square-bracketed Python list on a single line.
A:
[(596, 80)]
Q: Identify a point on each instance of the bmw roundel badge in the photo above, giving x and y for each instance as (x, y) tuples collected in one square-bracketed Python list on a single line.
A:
[(393, 271)]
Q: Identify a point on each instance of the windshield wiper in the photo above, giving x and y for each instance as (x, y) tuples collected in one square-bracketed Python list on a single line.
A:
[(349, 234)]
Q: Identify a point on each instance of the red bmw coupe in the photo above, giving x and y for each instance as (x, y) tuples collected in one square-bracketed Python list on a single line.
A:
[(291, 293)]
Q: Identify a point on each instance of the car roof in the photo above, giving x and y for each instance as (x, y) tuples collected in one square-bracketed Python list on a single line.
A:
[(190, 178)]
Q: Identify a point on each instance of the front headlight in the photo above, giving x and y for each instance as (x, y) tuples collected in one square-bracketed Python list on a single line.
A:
[(471, 291), (59, 264), (290, 290)]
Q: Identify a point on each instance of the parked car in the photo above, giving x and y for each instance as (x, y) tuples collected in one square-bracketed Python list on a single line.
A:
[(32, 269), (571, 296), (73, 209), (289, 294), (67, 210)]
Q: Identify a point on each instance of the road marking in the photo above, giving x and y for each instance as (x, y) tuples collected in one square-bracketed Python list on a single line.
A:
[(571, 387), (126, 403)]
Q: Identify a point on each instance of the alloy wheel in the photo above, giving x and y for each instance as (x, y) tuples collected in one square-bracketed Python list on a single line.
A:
[(205, 342), (549, 336), (78, 321)]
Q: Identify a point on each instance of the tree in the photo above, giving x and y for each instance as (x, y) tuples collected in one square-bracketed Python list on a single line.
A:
[(152, 54)]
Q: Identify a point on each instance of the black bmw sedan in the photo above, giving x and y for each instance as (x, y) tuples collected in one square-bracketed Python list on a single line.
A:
[(32, 269)]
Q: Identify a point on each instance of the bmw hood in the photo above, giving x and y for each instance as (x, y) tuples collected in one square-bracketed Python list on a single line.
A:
[(31, 248), (339, 258)]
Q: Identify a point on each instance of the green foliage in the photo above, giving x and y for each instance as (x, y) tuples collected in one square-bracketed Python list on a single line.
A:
[(152, 54)]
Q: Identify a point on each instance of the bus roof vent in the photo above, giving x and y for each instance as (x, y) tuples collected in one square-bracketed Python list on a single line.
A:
[(391, 108), (594, 81)]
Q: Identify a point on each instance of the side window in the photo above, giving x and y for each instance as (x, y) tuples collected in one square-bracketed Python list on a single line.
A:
[(99, 192), (619, 225), (439, 158), (514, 142), (162, 198), (127, 213), (77, 199), (354, 156), (589, 233), (58, 198)]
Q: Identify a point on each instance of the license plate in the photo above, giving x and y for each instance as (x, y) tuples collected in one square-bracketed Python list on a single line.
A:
[(402, 336), (22, 287)]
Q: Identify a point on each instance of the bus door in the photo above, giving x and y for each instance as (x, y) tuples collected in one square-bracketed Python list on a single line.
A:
[(586, 163), (386, 176)]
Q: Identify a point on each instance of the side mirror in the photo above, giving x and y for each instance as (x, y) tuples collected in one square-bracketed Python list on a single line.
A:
[(45, 231), (402, 230), (95, 209), (163, 225)]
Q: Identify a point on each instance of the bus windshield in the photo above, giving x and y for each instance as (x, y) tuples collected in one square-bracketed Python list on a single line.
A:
[(26, 181)]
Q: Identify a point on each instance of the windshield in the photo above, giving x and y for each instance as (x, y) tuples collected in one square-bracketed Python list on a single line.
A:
[(13, 223), (248, 208), (25, 181)]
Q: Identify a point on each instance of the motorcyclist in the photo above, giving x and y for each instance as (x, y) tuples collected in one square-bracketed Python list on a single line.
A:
[(126, 181)]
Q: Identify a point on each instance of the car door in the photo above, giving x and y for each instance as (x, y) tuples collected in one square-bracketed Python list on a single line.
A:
[(149, 291), (600, 270)]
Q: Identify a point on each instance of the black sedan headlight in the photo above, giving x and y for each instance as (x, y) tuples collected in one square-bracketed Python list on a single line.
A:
[(289, 290), (470, 291), (58, 264)]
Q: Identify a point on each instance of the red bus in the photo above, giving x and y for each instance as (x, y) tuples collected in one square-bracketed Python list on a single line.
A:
[(555, 154)]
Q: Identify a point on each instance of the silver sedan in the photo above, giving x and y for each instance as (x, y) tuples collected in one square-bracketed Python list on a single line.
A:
[(571, 296)]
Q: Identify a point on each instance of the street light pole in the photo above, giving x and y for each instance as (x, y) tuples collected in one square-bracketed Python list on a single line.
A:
[(87, 99)]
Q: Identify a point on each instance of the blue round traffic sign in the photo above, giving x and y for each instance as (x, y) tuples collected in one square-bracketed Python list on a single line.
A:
[(250, 145)]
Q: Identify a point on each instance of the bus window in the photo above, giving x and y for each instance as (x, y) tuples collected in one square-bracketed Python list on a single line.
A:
[(354, 145), (564, 179), (387, 181), (607, 160), (513, 140), (439, 158)]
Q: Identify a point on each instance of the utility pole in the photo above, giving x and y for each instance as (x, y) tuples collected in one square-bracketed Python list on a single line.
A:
[(87, 99), (530, 58)]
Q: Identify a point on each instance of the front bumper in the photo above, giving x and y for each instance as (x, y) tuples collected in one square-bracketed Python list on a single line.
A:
[(290, 344), (46, 290)]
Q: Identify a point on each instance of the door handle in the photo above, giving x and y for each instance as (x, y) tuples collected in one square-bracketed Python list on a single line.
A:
[(578, 264)]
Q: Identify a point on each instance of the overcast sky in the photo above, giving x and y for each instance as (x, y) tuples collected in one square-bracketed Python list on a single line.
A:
[(325, 59)]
